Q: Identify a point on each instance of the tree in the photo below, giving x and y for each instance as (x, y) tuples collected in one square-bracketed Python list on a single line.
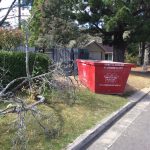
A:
[(146, 56), (35, 25), (10, 38), (141, 53), (113, 20), (37, 85), (51, 24), (22, 4)]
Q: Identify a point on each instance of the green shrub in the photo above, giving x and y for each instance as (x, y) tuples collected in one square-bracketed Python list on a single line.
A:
[(12, 65), (131, 59)]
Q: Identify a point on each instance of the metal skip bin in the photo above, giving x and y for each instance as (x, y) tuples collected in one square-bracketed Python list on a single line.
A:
[(104, 76)]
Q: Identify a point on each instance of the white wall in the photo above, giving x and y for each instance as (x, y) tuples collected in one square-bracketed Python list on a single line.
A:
[(95, 55), (95, 52)]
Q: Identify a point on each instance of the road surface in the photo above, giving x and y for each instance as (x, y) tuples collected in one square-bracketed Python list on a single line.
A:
[(131, 132)]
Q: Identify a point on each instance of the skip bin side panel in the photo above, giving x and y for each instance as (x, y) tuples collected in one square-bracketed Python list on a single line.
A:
[(126, 73), (109, 79), (91, 78), (83, 73)]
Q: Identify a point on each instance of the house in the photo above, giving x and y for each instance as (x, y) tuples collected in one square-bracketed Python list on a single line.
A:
[(98, 51)]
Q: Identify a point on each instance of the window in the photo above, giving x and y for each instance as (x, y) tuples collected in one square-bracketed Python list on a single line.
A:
[(108, 56)]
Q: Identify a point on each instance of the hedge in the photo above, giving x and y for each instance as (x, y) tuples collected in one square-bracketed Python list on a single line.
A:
[(12, 65)]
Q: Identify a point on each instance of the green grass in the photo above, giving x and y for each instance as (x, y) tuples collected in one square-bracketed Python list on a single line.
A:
[(67, 122)]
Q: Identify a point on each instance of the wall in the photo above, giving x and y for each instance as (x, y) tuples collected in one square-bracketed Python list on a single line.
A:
[(95, 52)]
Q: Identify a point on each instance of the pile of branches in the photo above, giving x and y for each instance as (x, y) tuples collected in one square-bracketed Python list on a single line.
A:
[(35, 87)]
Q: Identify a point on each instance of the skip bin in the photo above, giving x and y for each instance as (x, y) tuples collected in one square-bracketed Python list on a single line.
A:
[(104, 76)]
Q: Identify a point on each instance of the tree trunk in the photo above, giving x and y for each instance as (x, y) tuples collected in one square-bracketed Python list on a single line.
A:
[(141, 53), (149, 57), (143, 50), (119, 48), (146, 57)]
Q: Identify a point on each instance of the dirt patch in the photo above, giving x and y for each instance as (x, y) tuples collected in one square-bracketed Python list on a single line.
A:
[(138, 79), (140, 69)]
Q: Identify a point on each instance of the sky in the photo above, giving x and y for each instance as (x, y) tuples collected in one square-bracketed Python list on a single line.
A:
[(5, 3), (13, 13)]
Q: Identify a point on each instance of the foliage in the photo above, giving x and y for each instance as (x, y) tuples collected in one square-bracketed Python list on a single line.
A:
[(51, 25), (13, 64), (131, 59), (25, 99), (133, 49), (35, 24), (111, 19), (132, 55), (10, 38)]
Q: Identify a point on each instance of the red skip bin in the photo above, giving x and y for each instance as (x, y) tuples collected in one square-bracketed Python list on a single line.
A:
[(104, 76)]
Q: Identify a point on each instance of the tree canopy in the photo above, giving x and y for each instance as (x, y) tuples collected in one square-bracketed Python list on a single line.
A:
[(51, 24), (116, 21), (10, 39)]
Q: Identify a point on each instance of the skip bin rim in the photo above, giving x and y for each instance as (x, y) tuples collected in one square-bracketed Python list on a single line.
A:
[(105, 63)]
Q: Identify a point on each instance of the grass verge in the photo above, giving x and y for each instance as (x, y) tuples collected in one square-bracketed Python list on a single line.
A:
[(70, 121)]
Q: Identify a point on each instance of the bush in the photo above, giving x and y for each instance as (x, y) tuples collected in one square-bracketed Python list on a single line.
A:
[(131, 59), (12, 65), (10, 38)]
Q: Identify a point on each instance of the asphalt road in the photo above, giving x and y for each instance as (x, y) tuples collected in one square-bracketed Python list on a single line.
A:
[(137, 136), (131, 132)]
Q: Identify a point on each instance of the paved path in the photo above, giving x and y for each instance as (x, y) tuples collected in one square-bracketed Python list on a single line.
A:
[(131, 132)]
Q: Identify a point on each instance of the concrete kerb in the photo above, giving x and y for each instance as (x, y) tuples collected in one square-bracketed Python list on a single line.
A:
[(85, 138)]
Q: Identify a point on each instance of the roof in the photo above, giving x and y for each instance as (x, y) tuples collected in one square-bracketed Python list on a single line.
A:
[(106, 48)]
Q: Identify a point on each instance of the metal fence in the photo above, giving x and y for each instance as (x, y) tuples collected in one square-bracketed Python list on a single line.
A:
[(67, 57)]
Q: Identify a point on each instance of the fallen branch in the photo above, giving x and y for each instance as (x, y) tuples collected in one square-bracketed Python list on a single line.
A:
[(20, 108)]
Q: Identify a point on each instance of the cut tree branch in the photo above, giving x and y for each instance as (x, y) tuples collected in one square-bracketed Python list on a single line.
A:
[(10, 84), (14, 109)]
